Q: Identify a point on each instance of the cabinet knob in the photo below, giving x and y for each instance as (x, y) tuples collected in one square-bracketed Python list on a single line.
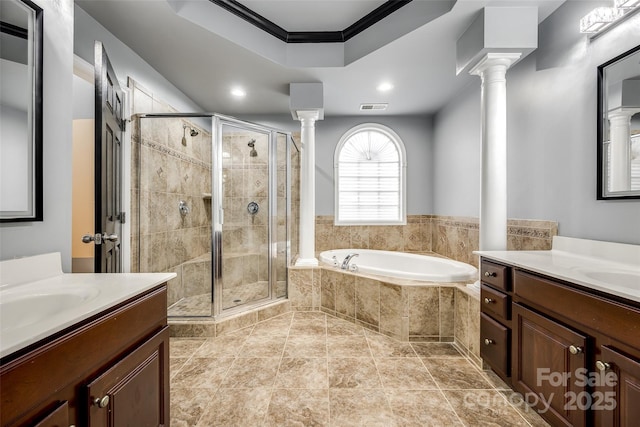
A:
[(488, 341), (574, 349), (489, 274), (488, 300), (101, 402), (602, 366)]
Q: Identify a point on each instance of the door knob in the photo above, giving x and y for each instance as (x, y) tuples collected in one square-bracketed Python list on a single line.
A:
[(602, 366), (488, 300), (488, 341), (489, 274), (110, 237)]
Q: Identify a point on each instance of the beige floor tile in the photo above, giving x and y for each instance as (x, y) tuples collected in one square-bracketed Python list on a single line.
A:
[(484, 408), (310, 315), (223, 346), (276, 326), (202, 373), (251, 373), (303, 373), (298, 408), (306, 346), (339, 327), (452, 373), (353, 373), (383, 346), (404, 373), (348, 346), (175, 364), (368, 408), (528, 413), (188, 405), (422, 408), (436, 349), (308, 327), (184, 347), (235, 408), (263, 346)]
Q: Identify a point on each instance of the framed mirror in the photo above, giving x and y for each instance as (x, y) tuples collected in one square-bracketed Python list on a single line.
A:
[(20, 111), (619, 127)]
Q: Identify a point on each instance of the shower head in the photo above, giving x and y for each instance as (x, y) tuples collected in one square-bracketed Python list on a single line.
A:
[(194, 132), (253, 152)]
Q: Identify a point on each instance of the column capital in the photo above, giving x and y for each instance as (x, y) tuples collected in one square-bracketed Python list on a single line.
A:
[(308, 115), (494, 60), (622, 113)]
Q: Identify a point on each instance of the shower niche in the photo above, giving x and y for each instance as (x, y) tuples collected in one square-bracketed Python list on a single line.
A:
[(213, 199)]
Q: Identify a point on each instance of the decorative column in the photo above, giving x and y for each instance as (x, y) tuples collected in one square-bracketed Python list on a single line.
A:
[(492, 68), (620, 154), (307, 255)]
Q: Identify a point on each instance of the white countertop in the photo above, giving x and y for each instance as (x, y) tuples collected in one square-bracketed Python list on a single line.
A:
[(36, 309), (615, 271)]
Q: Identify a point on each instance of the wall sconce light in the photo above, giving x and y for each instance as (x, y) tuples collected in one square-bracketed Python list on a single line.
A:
[(599, 18), (602, 18), (627, 4)]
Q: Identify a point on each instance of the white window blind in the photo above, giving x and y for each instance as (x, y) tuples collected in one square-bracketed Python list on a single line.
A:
[(370, 177)]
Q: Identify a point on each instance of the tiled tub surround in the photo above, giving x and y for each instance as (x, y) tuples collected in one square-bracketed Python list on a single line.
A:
[(452, 237), (403, 309), (309, 368)]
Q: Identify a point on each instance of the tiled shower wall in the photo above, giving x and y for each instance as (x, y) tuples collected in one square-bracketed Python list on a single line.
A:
[(453, 237), (164, 172)]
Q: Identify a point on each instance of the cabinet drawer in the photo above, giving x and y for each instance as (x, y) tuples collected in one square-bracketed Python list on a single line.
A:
[(496, 303), (495, 275), (495, 345)]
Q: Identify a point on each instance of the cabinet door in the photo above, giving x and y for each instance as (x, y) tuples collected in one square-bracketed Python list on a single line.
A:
[(58, 418), (548, 359), (616, 400), (134, 391)]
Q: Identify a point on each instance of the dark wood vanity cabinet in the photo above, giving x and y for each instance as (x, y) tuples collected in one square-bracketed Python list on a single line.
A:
[(495, 318), (110, 370), (574, 354)]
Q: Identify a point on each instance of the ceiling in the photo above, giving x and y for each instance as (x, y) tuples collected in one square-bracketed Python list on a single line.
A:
[(205, 66)]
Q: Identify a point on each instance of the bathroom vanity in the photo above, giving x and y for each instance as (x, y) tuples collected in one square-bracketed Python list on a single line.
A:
[(562, 327), (100, 357)]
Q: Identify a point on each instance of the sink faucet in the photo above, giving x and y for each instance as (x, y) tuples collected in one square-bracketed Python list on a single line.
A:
[(347, 259)]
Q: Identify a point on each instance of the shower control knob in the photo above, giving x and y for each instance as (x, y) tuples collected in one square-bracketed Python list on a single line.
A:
[(574, 349), (253, 208)]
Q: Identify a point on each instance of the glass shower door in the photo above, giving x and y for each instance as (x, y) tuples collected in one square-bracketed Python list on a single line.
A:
[(244, 217)]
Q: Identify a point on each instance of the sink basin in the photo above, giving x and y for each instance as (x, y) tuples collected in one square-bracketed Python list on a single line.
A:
[(619, 279), (26, 306)]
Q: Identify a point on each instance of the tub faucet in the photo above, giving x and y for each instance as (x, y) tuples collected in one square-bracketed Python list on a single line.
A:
[(347, 259)]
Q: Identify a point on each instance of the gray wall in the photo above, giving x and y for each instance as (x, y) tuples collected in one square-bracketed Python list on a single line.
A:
[(415, 132), (126, 62), (54, 233), (551, 98)]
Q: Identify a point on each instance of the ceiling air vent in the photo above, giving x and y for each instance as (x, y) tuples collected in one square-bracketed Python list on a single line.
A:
[(372, 107)]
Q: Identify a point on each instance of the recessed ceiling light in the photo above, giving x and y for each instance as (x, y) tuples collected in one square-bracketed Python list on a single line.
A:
[(385, 87), (238, 92)]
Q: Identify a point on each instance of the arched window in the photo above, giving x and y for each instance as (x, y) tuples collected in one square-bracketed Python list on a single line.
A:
[(369, 165)]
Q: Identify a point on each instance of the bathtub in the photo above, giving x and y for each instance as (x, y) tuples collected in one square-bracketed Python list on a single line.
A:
[(404, 265)]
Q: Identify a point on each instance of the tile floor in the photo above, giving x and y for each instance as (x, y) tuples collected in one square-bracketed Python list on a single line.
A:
[(311, 369)]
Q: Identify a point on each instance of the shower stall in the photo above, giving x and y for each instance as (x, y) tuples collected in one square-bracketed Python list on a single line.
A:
[(212, 198)]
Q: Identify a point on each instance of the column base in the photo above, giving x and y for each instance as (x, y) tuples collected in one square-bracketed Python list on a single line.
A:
[(307, 262)]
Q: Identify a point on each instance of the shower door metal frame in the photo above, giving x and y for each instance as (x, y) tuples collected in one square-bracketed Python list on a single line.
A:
[(217, 212)]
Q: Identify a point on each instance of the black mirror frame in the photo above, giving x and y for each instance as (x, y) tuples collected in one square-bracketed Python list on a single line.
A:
[(600, 134), (37, 132)]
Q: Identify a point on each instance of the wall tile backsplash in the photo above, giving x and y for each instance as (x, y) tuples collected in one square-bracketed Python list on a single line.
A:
[(453, 237)]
